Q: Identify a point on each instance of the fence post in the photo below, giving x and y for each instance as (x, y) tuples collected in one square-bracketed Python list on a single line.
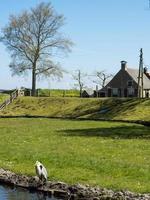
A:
[(11, 98)]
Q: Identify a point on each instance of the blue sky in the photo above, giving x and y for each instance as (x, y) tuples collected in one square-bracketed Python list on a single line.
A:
[(104, 32)]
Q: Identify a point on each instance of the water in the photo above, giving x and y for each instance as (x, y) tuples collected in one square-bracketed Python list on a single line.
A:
[(17, 193)]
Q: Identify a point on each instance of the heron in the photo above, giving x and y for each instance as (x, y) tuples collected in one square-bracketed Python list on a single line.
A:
[(41, 171)]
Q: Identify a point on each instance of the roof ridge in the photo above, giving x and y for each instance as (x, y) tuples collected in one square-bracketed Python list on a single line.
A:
[(131, 68)]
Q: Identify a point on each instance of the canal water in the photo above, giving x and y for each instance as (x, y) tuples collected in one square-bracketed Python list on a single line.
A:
[(17, 193)]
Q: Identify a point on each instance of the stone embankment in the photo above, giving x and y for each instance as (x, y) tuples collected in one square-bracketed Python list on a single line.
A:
[(65, 191)]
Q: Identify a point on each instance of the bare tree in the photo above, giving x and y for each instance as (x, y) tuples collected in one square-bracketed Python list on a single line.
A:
[(78, 77), (102, 78), (33, 39)]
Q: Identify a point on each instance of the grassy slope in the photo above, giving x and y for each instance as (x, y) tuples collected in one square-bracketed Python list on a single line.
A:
[(3, 97), (128, 109), (113, 155)]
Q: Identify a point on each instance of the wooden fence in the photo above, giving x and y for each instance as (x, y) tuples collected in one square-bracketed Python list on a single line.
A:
[(13, 96)]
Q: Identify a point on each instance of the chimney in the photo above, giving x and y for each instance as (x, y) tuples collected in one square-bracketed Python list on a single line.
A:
[(123, 65)]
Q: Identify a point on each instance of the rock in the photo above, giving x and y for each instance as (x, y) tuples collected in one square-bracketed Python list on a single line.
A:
[(65, 191), (96, 198), (61, 194)]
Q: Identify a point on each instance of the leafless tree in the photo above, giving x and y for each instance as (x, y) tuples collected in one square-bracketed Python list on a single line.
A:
[(79, 78), (33, 39), (102, 78)]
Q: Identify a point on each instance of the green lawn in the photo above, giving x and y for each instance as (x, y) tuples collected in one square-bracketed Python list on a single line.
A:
[(112, 155)]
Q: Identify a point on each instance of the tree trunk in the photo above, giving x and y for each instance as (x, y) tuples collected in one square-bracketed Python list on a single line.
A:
[(80, 92), (33, 81)]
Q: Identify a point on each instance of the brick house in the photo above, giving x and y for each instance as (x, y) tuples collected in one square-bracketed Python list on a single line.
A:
[(125, 83)]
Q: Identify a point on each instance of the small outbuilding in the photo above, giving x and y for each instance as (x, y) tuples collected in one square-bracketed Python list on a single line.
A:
[(88, 93)]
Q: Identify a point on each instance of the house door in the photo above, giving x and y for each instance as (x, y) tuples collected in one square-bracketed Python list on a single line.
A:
[(109, 92), (125, 92), (147, 94), (119, 92)]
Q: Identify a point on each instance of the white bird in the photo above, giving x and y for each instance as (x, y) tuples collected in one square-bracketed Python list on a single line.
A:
[(41, 171)]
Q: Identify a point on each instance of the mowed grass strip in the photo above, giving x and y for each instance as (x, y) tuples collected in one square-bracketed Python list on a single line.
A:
[(112, 155)]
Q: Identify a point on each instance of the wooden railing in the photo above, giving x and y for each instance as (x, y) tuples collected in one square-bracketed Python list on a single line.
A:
[(13, 96)]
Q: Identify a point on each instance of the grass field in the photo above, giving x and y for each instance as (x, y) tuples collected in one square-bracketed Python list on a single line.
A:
[(58, 93), (112, 155)]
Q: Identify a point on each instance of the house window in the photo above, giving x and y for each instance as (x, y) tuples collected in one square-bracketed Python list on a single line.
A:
[(130, 83), (130, 92), (115, 92)]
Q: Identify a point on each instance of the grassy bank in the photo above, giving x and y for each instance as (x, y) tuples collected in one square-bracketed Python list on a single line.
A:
[(3, 97), (112, 155), (108, 108)]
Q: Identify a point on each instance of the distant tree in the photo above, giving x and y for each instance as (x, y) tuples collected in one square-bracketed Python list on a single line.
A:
[(102, 78), (79, 78), (33, 39)]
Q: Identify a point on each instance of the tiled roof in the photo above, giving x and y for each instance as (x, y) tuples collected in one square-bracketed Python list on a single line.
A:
[(134, 74)]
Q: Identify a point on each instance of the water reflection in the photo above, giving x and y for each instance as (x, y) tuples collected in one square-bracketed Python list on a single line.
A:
[(13, 193)]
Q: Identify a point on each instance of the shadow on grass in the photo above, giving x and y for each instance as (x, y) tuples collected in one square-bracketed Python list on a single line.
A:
[(117, 107), (112, 107), (121, 132)]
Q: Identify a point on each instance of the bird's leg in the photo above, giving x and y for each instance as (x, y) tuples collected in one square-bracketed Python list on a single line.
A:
[(40, 182), (44, 181)]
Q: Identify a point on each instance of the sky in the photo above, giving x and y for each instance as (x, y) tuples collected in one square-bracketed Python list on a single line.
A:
[(104, 32)]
